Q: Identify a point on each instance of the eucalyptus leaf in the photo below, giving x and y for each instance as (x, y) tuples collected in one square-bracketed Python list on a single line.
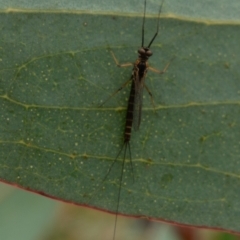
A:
[(55, 139)]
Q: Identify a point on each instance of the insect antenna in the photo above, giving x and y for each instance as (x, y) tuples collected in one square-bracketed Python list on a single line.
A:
[(143, 23), (155, 35)]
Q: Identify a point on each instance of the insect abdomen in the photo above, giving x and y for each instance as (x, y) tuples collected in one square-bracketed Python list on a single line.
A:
[(129, 115)]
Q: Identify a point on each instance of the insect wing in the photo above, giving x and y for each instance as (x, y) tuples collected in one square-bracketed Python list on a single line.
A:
[(138, 99)]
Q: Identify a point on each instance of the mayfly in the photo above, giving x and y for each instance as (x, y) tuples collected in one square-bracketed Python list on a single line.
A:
[(134, 108)]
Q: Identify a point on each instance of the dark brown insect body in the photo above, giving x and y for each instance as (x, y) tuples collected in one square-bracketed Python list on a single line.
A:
[(134, 108)]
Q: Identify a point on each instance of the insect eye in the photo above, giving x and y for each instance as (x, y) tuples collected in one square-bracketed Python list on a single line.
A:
[(149, 53), (141, 51)]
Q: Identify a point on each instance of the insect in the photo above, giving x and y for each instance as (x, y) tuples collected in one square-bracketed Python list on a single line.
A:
[(134, 108)]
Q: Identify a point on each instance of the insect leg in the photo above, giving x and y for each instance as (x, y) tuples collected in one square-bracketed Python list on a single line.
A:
[(151, 96), (114, 93), (118, 64), (164, 70)]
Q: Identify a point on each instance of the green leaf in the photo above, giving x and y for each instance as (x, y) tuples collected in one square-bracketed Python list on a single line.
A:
[(55, 70)]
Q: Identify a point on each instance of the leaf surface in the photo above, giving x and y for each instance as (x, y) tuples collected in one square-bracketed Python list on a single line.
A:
[(55, 70)]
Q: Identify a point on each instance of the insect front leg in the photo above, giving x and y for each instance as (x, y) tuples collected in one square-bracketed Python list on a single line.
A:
[(118, 64), (164, 70)]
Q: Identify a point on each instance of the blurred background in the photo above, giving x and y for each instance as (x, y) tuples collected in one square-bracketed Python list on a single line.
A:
[(28, 216)]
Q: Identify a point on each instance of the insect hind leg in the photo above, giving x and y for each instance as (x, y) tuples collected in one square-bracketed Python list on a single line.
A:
[(151, 96)]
